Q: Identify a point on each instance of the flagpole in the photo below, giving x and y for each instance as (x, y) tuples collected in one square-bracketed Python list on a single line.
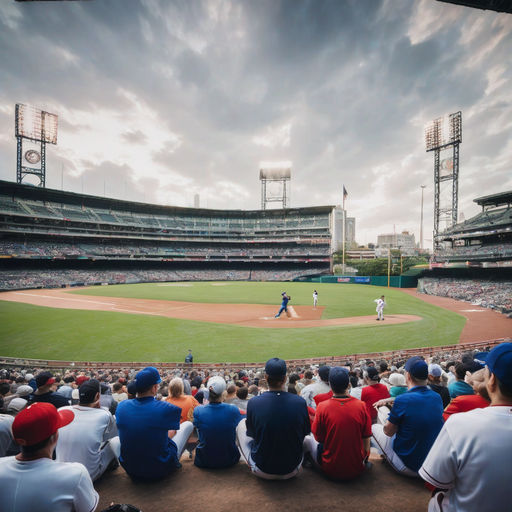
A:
[(344, 222)]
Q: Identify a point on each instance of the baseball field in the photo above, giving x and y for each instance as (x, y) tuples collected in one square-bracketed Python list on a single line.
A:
[(220, 322)]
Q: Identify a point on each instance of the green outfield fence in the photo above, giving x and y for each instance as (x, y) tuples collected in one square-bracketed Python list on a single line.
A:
[(394, 281)]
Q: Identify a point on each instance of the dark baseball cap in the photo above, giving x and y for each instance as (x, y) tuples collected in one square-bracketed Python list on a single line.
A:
[(417, 367), (146, 378), (338, 377), (499, 362), (44, 379), (88, 390), (275, 367), (323, 372)]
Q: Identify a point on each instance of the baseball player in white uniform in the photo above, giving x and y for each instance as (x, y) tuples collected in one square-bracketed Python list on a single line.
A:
[(315, 298), (381, 303)]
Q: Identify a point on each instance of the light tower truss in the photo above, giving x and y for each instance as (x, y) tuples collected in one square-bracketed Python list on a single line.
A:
[(446, 170), (34, 128)]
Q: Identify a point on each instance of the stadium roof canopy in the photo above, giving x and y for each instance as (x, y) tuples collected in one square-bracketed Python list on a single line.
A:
[(59, 196), (493, 5), (495, 199)]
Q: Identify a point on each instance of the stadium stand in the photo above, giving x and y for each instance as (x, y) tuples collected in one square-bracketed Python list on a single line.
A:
[(74, 238)]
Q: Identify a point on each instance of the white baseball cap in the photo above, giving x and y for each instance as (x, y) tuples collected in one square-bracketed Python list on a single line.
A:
[(217, 385)]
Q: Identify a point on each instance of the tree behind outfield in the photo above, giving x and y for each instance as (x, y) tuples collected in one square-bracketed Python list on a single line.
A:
[(379, 266)]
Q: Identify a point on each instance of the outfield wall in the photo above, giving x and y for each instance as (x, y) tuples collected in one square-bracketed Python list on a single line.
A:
[(394, 281)]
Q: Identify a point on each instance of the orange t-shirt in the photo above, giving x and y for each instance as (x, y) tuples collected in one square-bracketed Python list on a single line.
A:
[(187, 403)]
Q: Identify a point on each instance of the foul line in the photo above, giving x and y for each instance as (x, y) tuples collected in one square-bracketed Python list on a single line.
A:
[(86, 301)]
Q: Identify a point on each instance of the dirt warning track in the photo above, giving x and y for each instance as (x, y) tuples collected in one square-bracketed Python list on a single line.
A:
[(246, 315)]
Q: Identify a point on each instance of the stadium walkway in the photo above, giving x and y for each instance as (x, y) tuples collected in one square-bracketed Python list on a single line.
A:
[(191, 488), (481, 323)]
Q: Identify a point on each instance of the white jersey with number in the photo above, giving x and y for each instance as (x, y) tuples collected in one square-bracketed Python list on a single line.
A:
[(472, 457)]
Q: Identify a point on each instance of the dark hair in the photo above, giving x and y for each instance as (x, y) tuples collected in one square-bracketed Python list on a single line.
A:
[(274, 382), (242, 393), (505, 389), (353, 381), (69, 379), (5, 387), (213, 397), (292, 389), (294, 377), (308, 374), (29, 450), (117, 386), (231, 389), (253, 389), (460, 370), (383, 366), (336, 390)]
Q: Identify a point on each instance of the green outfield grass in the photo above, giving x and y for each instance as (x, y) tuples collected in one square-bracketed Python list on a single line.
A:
[(40, 332)]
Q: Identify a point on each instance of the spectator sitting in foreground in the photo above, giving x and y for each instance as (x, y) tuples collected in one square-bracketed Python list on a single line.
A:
[(398, 384), (241, 399), (414, 422), (45, 391), (471, 455), (92, 437), (119, 394), (464, 403), (150, 446), (434, 383), (310, 391), (373, 391), (230, 394), (177, 397), (271, 438), (216, 424), (32, 480), (342, 431), (460, 387)]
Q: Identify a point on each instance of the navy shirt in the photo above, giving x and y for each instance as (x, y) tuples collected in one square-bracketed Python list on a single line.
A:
[(419, 417), (143, 424), (278, 422), (52, 398), (216, 424)]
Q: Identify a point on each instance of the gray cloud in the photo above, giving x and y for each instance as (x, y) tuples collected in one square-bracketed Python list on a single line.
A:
[(352, 84)]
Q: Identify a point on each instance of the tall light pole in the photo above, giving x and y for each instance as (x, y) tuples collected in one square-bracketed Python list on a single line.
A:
[(421, 218)]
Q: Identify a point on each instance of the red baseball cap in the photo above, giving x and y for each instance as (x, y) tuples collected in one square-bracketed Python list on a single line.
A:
[(81, 379), (38, 422)]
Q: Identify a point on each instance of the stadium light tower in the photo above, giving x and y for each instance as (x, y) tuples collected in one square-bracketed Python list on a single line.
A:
[(445, 170), (279, 173), (34, 129)]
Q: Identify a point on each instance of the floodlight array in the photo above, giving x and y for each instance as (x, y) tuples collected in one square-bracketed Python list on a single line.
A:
[(456, 127), (433, 134), (33, 123)]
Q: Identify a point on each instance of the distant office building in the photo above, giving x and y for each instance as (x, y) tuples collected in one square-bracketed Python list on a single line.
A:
[(403, 241), (350, 230)]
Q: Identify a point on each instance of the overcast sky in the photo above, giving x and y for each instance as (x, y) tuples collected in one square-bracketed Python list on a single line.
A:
[(162, 100)]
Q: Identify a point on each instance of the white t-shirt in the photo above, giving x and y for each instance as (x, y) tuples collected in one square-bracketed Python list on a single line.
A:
[(472, 456), (6, 440), (81, 440), (311, 390), (46, 486)]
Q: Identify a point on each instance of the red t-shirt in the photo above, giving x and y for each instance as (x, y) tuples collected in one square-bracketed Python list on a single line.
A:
[(464, 403), (371, 394), (321, 397), (340, 425)]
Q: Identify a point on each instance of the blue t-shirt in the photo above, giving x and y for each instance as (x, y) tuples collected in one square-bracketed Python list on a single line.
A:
[(278, 422), (143, 424), (459, 387), (419, 417), (216, 424)]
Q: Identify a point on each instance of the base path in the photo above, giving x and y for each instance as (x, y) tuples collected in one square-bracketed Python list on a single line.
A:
[(481, 323), (245, 315)]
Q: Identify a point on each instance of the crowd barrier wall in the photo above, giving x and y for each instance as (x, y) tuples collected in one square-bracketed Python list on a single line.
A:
[(332, 360)]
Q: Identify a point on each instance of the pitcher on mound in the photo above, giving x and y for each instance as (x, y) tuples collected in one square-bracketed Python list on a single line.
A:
[(284, 305), (381, 303)]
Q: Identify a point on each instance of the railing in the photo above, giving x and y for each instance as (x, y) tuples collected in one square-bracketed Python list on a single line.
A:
[(332, 361)]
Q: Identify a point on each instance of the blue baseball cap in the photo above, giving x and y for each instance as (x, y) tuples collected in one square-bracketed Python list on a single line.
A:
[(275, 367), (146, 378), (417, 367), (338, 377), (499, 362)]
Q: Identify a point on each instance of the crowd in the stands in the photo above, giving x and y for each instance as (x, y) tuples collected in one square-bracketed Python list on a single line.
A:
[(24, 279), (488, 294), (447, 421)]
